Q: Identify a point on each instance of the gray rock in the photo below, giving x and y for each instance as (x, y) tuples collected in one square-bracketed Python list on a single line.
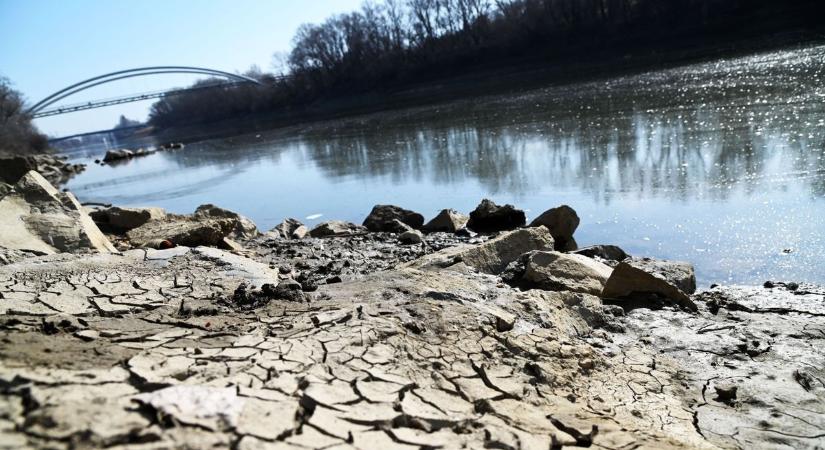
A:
[(286, 228), (448, 220), (489, 217), (54, 168), (37, 217), (605, 252), (244, 228), (491, 256), (117, 155), (125, 219), (562, 223), (555, 271), (673, 280), (336, 228), (300, 232), (411, 237), (183, 231), (383, 217)]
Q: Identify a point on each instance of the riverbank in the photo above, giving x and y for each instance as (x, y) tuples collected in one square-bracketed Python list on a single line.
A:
[(461, 331), (510, 77)]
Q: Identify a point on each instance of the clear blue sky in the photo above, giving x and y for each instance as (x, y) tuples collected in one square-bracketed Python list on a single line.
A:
[(46, 45)]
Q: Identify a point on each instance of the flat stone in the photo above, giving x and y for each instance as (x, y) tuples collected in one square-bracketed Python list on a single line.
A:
[(673, 280), (208, 407), (555, 271), (336, 228), (491, 256)]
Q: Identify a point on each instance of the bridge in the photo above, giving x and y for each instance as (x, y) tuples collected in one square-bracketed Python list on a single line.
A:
[(42, 108)]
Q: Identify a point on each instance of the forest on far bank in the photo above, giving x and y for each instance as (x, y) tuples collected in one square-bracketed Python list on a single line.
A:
[(397, 43)]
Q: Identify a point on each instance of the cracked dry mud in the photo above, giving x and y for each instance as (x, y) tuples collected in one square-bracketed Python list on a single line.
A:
[(146, 350)]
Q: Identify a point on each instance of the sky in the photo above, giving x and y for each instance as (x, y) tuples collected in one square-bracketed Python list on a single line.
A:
[(46, 45)]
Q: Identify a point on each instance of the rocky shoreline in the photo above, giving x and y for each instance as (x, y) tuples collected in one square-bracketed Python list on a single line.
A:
[(137, 328)]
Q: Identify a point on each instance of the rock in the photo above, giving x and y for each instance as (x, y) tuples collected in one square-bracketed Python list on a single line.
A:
[(673, 280), (489, 217), (448, 220), (504, 321), (286, 228), (300, 232), (125, 219), (336, 228), (183, 231), (491, 256), (37, 217), (555, 271), (5, 188), (605, 252), (411, 237), (54, 168), (244, 228), (398, 227), (562, 223), (382, 218), (117, 155), (229, 244)]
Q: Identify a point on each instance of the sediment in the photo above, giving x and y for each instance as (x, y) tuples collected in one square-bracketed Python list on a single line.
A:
[(355, 340)]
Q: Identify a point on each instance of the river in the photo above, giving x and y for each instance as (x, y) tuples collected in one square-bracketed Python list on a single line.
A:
[(719, 163)]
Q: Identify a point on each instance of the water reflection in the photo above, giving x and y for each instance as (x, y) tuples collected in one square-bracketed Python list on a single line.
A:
[(719, 163)]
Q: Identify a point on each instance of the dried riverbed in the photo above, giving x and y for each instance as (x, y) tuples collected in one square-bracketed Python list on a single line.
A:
[(346, 337)]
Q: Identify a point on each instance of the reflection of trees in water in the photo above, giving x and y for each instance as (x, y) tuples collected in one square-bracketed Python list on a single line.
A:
[(675, 153), (708, 151)]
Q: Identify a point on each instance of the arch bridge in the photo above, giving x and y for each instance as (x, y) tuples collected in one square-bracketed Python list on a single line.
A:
[(42, 108)]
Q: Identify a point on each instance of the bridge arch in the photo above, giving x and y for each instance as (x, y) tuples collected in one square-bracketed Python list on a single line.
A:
[(130, 73)]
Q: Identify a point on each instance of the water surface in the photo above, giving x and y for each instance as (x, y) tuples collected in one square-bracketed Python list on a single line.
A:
[(721, 164)]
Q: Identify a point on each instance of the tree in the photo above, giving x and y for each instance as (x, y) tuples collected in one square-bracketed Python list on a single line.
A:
[(18, 135)]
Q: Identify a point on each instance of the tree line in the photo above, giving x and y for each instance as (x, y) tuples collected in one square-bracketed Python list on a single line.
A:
[(18, 135), (398, 42)]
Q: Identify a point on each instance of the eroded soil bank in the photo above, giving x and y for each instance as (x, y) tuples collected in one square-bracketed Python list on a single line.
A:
[(382, 337)]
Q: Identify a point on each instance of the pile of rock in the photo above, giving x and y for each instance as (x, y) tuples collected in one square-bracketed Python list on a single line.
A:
[(543, 255), (54, 168), (155, 228)]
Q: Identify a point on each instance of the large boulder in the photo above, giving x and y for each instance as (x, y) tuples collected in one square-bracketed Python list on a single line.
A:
[(562, 223), (491, 256), (383, 217), (448, 220), (125, 219), (36, 217), (244, 228), (183, 230), (555, 271), (489, 217), (336, 228), (673, 280)]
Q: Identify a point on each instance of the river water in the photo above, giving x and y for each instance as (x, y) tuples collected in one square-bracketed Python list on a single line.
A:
[(720, 163)]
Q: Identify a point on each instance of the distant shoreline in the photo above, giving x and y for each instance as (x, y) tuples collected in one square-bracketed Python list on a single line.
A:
[(521, 76)]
